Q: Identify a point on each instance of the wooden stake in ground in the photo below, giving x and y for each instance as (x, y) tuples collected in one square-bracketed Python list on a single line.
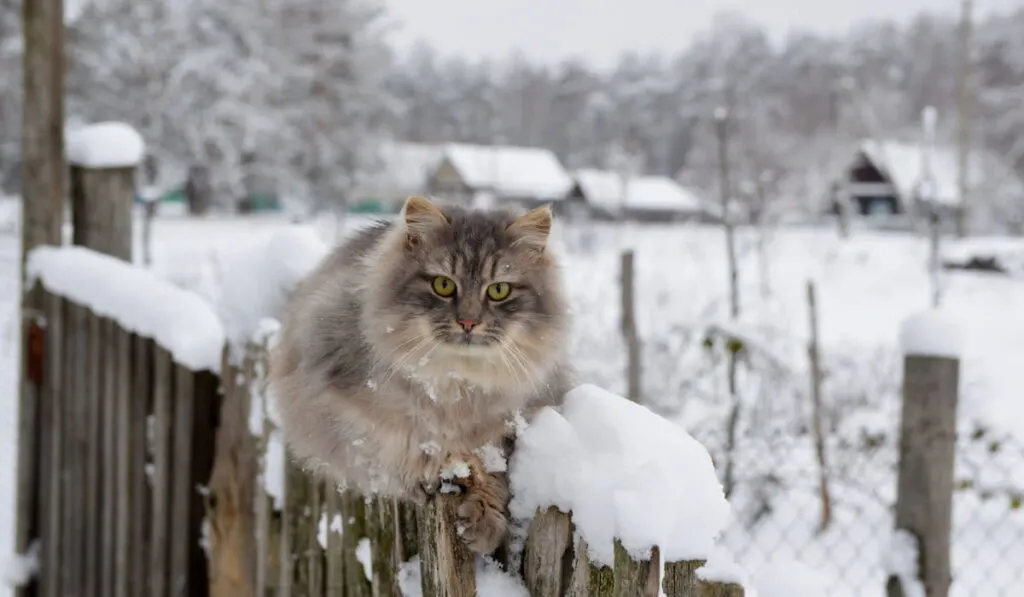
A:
[(43, 179), (817, 416), (628, 328)]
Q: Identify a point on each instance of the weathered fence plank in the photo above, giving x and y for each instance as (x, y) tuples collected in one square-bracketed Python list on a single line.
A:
[(383, 526), (681, 578), (140, 512), (106, 388), (182, 486), (159, 538), (74, 395), (706, 588), (119, 367), (408, 532), (92, 453), (353, 514), (205, 397), (446, 564), (632, 577), (233, 553), (335, 550), (545, 569), (52, 438)]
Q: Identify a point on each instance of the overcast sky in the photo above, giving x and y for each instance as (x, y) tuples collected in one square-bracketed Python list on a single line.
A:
[(599, 30)]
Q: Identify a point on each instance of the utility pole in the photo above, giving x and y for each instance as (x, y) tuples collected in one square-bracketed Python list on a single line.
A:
[(43, 190), (963, 101)]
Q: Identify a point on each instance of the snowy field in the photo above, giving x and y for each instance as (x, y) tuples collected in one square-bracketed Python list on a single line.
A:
[(866, 286)]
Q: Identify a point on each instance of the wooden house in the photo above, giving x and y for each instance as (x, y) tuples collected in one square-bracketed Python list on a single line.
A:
[(609, 195), (487, 175)]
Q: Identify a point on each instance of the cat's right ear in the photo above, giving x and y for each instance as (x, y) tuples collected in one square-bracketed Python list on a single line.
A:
[(421, 217)]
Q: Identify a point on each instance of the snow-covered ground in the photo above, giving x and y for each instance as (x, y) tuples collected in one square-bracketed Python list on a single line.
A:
[(866, 286)]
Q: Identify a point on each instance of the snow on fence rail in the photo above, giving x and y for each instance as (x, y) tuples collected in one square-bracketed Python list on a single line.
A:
[(174, 479)]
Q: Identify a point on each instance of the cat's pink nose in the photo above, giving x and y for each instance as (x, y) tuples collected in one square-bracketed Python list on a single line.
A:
[(468, 324)]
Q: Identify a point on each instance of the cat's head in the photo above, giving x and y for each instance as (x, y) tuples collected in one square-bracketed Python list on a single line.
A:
[(471, 291)]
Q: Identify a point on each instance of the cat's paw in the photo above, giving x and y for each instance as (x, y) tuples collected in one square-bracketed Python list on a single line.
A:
[(481, 521)]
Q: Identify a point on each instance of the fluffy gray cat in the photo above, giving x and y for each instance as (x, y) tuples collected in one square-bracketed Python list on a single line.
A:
[(414, 349)]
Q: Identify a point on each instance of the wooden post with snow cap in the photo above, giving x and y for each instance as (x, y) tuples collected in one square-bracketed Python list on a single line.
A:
[(924, 504), (104, 158)]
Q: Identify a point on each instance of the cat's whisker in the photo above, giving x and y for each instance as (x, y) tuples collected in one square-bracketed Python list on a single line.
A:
[(404, 343), (519, 359), (401, 362)]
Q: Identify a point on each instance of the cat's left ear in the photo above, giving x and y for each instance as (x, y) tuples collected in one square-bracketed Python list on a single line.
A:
[(421, 217), (533, 227)]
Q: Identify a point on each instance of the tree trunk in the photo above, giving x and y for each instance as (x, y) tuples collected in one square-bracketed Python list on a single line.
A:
[(43, 184)]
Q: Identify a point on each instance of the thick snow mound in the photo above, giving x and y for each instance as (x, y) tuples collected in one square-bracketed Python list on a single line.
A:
[(105, 145), (624, 472), (255, 285), (932, 333), (178, 320), (783, 577)]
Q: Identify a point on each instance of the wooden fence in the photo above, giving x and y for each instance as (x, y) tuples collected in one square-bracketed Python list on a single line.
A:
[(154, 481), (125, 436)]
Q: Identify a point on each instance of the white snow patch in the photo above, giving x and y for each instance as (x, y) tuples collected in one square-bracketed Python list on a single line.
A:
[(204, 536), (493, 458), (491, 581), (788, 578), (722, 568), (274, 469), (255, 285), (105, 145), (455, 469), (900, 560), (323, 527), (365, 556), (178, 320), (22, 568), (623, 472), (932, 333)]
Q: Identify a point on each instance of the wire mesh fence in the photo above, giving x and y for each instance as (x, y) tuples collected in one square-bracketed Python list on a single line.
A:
[(778, 526)]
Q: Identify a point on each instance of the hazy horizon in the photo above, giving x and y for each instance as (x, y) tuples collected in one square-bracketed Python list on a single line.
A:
[(599, 31)]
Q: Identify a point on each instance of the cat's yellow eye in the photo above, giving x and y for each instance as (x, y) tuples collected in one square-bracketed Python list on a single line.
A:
[(444, 286), (498, 291)]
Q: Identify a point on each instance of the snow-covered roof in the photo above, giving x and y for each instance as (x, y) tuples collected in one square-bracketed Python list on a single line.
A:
[(404, 167), (604, 189), (510, 171), (904, 162)]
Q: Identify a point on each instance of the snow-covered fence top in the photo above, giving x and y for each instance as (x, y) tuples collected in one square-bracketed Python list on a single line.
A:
[(177, 320), (105, 145)]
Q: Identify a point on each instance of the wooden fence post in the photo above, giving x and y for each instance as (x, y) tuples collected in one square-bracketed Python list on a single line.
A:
[(446, 564), (634, 389), (232, 509), (103, 187), (548, 539), (924, 502)]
